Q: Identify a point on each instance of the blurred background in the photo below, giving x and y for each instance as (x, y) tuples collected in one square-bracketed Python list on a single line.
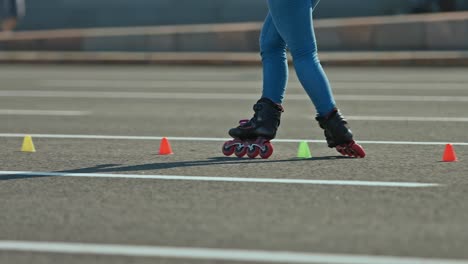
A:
[(226, 26), (52, 14)]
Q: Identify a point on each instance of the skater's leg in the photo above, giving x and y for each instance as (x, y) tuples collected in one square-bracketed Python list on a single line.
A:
[(275, 76), (275, 63), (252, 137), (293, 20)]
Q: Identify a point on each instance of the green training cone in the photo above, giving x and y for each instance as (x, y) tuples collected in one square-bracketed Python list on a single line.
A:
[(304, 151)]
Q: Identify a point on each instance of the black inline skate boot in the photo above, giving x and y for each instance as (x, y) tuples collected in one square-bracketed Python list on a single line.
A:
[(339, 135), (252, 137)]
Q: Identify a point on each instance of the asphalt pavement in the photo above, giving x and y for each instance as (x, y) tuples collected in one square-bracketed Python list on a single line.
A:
[(96, 177)]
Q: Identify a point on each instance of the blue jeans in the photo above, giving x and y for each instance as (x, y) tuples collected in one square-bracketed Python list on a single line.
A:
[(289, 25)]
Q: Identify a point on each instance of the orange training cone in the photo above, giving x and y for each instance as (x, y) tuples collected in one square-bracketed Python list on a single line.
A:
[(165, 148), (449, 154)]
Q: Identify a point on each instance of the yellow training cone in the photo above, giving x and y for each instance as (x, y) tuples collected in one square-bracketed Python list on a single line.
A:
[(304, 151), (28, 145)]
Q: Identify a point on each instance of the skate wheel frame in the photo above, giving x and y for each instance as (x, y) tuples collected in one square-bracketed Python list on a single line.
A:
[(253, 151), (261, 147), (240, 148)]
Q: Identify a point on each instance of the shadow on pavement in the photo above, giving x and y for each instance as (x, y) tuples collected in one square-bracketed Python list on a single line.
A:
[(107, 168)]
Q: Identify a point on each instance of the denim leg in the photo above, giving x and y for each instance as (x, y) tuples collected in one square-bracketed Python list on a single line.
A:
[(274, 60), (294, 22)]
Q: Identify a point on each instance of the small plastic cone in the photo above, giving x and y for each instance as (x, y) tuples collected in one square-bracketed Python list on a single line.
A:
[(449, 154), (165, 148), (28, 145), (304, 151)]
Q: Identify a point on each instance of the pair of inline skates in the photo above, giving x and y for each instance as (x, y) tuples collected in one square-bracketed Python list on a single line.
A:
[(252, 137)]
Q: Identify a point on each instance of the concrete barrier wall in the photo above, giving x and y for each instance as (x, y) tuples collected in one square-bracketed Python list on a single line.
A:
[(57, 14), (447, 31)]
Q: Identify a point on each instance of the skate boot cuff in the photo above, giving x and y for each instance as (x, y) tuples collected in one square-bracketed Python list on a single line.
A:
[(322, 120), (278, 107), (325, 118)]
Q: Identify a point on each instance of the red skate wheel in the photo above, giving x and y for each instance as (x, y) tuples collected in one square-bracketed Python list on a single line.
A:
[(266, 149), (229, 148), (358, 150), (240, 150), (341, 150), (352, 150), (252, 151)]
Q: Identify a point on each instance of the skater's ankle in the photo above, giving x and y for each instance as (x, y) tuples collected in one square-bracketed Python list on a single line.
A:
[(328, 115), (278, 106)]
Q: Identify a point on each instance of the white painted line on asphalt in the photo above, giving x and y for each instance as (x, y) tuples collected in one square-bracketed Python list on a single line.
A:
[(401, 98), (42, 112), (131, 84), (223, 179), (220, 96), (358, 118), (211, 253), (210, 84), (408, 118), (60, 136)]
